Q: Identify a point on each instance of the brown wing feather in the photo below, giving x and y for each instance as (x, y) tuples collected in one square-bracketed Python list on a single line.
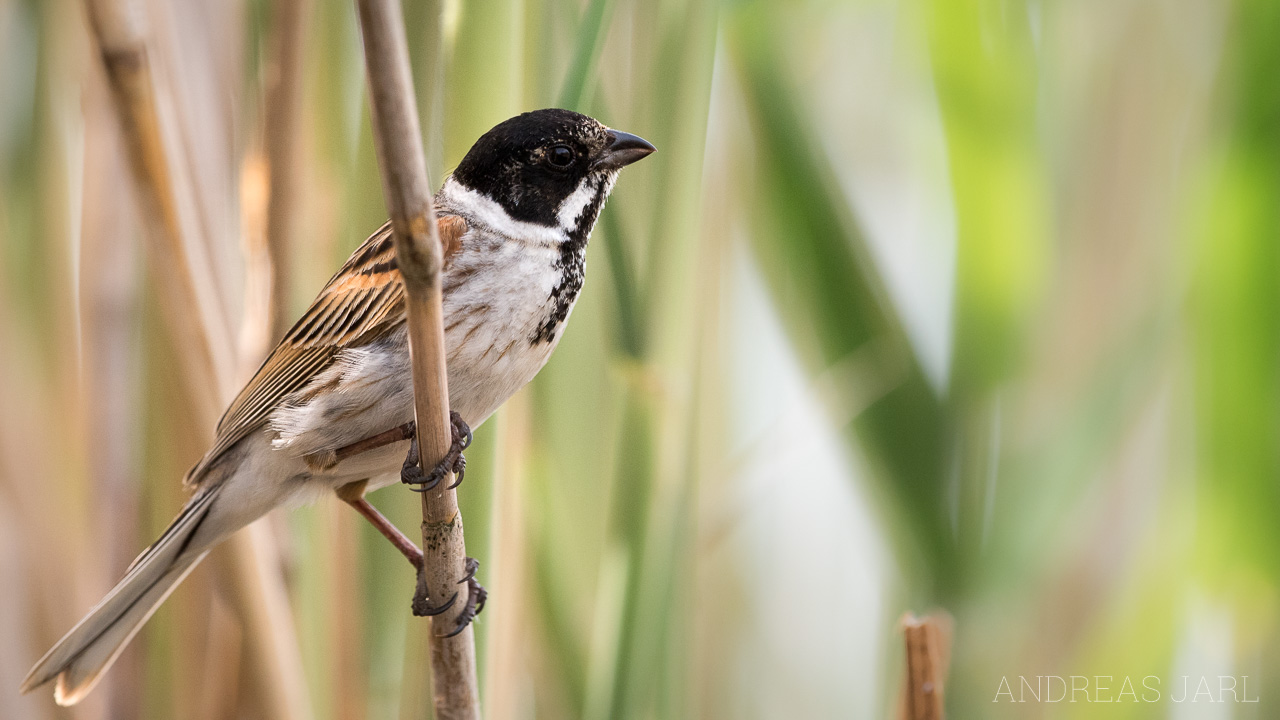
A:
[(361, 303)]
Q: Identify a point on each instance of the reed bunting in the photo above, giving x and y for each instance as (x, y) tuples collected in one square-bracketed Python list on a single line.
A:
[(331, 409)]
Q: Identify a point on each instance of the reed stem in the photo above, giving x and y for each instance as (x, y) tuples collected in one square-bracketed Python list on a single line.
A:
[(201, 332), (928, 644), (398, 139)]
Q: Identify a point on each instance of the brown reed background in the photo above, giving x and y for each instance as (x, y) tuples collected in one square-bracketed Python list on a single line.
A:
[(957, 303)]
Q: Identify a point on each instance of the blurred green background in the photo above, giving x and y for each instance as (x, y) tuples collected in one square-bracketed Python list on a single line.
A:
[(969, 305)]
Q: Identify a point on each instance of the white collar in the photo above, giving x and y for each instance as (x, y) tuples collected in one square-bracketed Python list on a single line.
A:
[(488, 212)]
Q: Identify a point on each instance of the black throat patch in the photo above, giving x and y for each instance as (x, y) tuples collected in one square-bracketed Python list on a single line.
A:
[(571, 266)]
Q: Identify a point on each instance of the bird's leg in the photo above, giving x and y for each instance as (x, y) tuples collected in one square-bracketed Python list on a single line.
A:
[(328, 459), (453, 461), (353, 495)]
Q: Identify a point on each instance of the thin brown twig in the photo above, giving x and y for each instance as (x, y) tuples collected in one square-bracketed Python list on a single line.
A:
[(928, 645), (198, 325), (398, 139)]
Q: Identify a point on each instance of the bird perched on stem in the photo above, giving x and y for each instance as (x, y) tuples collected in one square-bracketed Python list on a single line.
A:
[(331, 409)]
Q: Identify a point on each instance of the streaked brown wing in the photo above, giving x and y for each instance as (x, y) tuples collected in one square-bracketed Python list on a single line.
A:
[(360, 303)]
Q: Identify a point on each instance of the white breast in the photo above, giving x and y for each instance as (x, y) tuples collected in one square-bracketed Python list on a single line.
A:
[(498, 291), (491, 318)]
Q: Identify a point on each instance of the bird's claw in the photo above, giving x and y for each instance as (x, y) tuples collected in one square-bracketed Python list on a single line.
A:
[(429, 611), (453, 461), (476, 595)]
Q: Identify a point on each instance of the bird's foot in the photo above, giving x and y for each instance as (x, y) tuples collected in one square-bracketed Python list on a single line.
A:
[(476, 596), (453, 461)]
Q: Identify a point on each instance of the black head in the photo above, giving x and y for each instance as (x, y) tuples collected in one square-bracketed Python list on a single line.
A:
[(532, 163)]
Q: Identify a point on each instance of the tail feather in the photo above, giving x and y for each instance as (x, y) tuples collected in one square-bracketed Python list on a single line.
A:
[(79, 675), (84, 653)]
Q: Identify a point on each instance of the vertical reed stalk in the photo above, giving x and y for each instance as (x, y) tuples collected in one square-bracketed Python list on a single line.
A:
[(183, 272), (928, 644), (507, 645), (398, 139), (109, 290), (188, 289), (283, 106)]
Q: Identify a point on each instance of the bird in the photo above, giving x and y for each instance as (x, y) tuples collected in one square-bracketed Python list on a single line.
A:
[(331, 408)]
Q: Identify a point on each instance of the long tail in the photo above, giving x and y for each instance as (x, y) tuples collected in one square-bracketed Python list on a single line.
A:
[(84, 653)]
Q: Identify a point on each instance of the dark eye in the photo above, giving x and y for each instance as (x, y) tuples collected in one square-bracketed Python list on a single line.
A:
[(560, 156)]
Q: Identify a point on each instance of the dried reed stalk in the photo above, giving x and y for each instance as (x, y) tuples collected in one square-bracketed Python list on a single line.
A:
[(928, 643), (398, 140), (284, 80), (198, 321), (201, 332), (109, 294), (508, 647)]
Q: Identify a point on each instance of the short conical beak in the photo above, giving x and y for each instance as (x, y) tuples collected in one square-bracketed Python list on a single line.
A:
[(624, 149)]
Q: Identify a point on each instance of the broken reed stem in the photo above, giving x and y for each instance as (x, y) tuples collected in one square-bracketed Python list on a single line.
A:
[(398, 139), (928, 645), (120, 29), (199, 328)]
